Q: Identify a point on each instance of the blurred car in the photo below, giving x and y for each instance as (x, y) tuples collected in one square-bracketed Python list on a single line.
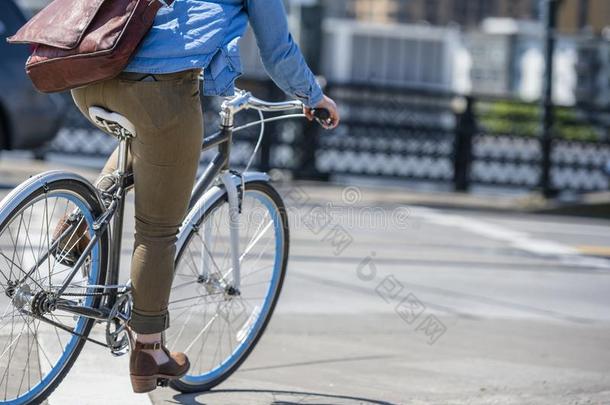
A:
[(28, 119)]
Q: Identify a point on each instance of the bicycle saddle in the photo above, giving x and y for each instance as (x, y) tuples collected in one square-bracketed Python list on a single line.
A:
[(113, 123)]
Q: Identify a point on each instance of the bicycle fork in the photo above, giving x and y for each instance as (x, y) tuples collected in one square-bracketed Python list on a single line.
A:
[(234, 214)]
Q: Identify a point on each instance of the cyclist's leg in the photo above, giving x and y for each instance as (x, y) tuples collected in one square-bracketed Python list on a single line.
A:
[(169, 124), (103, 182)]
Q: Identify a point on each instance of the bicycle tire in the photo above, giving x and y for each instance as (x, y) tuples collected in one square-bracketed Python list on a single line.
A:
[(15, 203), (269, 191)]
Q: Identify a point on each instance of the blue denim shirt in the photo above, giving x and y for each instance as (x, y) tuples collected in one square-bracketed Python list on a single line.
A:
[(205, 34)]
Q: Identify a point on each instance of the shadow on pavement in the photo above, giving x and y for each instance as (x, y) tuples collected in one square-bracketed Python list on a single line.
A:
[(273, 397), (316, 362)]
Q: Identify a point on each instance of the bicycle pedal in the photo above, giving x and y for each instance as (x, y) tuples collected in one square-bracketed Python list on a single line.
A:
[(162, 382)]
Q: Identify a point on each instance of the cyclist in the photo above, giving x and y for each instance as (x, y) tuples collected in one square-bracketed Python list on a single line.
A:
[(159, 94)]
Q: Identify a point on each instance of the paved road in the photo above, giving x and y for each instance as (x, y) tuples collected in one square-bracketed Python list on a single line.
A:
[(392, 304)]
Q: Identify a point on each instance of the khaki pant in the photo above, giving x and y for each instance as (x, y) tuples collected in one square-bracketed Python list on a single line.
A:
[(164, 158)]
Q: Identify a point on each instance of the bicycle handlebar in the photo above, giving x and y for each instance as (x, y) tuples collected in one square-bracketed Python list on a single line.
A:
[(244, 100), (261, 105)]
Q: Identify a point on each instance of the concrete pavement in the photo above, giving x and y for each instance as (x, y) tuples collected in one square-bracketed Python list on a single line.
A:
[(386, 302)]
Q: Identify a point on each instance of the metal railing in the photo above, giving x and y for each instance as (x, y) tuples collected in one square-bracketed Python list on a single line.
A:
[(415, 134)]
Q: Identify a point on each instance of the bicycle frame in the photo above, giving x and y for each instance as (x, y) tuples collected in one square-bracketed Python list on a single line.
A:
[(218, 168)]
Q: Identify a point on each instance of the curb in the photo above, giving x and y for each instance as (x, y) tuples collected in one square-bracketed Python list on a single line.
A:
[(595, 205), (391, 196)]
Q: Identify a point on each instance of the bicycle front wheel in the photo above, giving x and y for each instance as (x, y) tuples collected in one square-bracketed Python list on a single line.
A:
[(215, 327), (39, 344)]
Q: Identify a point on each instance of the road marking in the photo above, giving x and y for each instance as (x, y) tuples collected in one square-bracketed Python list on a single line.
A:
[(518, 240), (594, 250), (555, 228)]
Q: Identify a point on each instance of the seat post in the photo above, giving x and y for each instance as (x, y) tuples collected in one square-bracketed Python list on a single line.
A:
[(123, 155), (119, 126), (117, 220)]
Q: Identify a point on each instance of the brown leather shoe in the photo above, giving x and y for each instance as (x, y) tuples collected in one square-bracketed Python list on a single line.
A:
[(146, 374), (72, 246)]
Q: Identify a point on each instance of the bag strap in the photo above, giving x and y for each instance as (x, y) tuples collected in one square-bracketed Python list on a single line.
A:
[(166, 3)]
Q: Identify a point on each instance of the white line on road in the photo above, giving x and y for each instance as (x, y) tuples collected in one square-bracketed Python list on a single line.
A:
[(519, 240)]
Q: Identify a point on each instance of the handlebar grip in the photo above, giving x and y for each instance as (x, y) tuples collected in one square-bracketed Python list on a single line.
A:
[(321, 114)]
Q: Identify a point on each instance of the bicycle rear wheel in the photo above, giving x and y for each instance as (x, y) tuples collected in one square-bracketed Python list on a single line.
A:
[(215, 328), (38, 345)]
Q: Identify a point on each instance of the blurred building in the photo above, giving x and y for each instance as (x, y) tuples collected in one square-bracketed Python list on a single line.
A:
[(466, 13), (390, 54), (588, 21), (498, 48), (480, 46), (574, 15), (507, 58), (590, 15)]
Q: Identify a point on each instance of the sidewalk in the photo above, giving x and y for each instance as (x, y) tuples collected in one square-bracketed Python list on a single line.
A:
[(593, 205), (15, 169), (393, 195)]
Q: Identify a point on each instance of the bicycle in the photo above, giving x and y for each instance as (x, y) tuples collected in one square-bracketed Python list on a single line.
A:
[(220, 293)]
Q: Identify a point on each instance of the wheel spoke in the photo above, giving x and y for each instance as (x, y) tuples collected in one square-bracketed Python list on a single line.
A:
[(32, 346), (208, 322), (17, 238)]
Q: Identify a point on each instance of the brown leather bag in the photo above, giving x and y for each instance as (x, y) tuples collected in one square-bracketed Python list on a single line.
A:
[(79, 42)]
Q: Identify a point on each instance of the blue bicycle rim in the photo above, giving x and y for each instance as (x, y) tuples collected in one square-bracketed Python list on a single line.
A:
[(80, 326), (271, 291)]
